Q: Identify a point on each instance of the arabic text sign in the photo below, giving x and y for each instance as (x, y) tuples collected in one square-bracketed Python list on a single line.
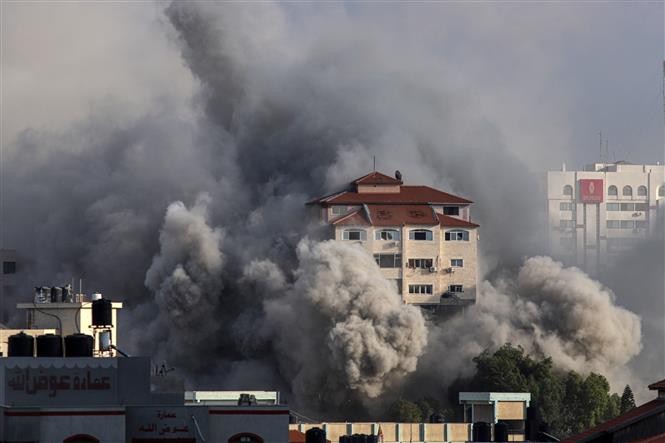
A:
[(60, 386), (591, 190), (169, 422)]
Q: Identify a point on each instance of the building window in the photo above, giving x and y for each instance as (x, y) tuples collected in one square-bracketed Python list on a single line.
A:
[(627, 224), (642, 207), (565, 206), (420, 234), (339, 210), (627, 191), (642, 191), (661, 191), (387, 234), (641, 224), (420, 289), (420, 263), (612, 190), (398, 283), (388, 260), (451, 210), (457, 235), (568, 190), (455, 289), (354, 234), (614, 206), (567, 242), (457, 262), (613, 224), (9, 267), (566, 224)]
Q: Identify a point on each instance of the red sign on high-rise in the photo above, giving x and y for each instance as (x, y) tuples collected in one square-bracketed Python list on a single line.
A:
[(591, 190)]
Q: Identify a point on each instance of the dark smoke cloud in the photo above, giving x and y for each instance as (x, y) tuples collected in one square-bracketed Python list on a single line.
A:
[(199, 226)]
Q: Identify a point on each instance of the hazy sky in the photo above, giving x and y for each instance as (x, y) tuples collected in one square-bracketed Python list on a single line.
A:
[(549, 75)]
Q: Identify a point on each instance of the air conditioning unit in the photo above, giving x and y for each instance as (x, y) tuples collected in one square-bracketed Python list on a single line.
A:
[(450, 270), (432, 269)]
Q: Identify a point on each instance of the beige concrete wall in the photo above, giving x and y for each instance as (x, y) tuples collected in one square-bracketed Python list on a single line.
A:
[(510, 410), (335, 430), (516, 437), (466, 276), (438, 250), (434, 432), (458, 432), (408, 432)]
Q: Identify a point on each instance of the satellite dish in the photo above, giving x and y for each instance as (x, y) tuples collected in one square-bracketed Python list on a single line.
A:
[(398, 175)]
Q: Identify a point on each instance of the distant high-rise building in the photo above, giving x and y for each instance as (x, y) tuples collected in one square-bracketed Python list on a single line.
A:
[(10, 276), (421, 238), (603, 210)]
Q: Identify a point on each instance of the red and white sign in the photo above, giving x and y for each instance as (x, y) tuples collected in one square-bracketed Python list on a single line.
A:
[(591, 190)]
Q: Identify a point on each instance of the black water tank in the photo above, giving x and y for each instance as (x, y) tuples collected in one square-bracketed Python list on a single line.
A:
[(102, 312), (344, 439), (371, 438), (359, 438), (315, 435), (501, 432), (482, 431), (49, 345), (21, 345), (78, 345), (56, 294)]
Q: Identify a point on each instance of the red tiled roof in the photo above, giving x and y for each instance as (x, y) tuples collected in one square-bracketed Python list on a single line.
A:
[(445, 220), (397, 215), (296, 436), (643, 411), (408, 195), (352, 218), (376, 178), (657, 385), (660, 438)]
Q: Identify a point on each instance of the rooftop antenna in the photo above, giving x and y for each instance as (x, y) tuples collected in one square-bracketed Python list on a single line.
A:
[(663, 88), (600, 141), (374, 158), (607, 155)]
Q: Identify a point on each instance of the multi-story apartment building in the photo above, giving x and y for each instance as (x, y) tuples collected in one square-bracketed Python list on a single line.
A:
[(421, 238), (596, 214)]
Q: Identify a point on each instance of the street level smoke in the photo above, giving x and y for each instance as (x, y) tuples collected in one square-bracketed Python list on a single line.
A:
[(342, 326), (199, 225), (549, 310)]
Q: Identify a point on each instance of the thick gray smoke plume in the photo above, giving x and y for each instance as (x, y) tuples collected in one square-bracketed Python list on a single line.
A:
[(186, 278), (342, 326), (198, 224), (548, 310)]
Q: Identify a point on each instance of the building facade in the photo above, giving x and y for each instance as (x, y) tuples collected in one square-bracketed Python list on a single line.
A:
[(598, 213), (110, 400), (11, 278), (421, 238)]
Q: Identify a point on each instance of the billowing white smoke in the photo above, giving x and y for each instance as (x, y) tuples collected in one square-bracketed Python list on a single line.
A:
[(341, 326), (548, 310)]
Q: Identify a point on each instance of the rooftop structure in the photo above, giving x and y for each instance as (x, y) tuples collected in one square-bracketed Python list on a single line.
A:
[(92, 400), (597, 213), (422, 238), (645, 423)]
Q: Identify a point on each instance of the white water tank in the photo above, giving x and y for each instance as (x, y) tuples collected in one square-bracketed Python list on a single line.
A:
[(96, 296)]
